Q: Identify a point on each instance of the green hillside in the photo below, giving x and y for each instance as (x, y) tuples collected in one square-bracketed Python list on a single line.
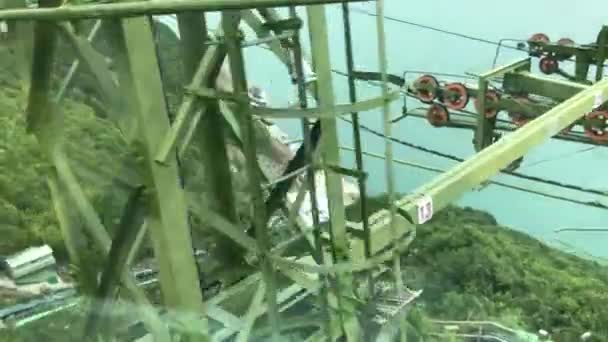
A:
[(471, 268)]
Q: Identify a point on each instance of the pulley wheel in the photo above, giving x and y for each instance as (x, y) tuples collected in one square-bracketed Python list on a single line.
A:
[(536, 49), (491, 104), (437, 115), (565, 42), (539, 38), (597, 132), (548, 65), (455, 96), (518, 119), (425, 88)]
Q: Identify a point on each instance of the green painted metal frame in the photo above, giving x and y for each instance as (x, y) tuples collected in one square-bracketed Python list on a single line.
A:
[(527, 82), (207, 71), (484, 135), (584, 55), (44, 121), (449, 186), (477, 169), (167, 212), (388, 150), (133, 9), (231, 20), (330, 154), (602, 51), (163, 176)]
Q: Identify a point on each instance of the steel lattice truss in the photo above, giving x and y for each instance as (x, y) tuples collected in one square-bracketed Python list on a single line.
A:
[(339, 275)]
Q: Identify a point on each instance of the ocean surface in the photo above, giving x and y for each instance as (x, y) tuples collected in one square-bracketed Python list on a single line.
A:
[(414, 48)]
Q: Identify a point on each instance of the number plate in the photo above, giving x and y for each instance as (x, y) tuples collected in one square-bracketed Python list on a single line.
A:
[(425, 209)]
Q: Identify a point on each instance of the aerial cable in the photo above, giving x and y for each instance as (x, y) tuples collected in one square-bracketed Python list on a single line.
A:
[(498, 44), (593, 204), (497, 52), (436, 29), (458, 159), (562, 156)]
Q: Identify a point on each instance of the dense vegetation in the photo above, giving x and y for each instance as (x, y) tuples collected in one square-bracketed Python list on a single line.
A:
[(471, 268)]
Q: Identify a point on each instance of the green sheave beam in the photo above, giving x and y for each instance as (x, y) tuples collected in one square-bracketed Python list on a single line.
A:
[(132, 9), (480, 167), (541, 85)]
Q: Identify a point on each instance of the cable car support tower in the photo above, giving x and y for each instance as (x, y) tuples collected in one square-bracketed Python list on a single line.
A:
[(340, 280)]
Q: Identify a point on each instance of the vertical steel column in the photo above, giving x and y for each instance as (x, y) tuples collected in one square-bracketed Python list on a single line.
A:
[(602, 41), (390, 179), (168, 221), (485, 126), (44, 120), (232, 40), (581, 67), (352, 92), (330, 154), (310, 176)]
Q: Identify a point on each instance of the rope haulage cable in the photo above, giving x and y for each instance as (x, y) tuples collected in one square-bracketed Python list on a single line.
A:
[(457, 34), (498, 183), (458, 159), (499, 44)]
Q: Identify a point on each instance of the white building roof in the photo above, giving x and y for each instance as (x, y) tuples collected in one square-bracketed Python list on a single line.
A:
[(28, 255)]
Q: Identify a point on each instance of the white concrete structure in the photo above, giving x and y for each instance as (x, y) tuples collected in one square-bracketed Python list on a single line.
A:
[(29, 261)]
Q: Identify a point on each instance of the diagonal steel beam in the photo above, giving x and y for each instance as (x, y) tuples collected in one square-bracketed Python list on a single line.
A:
[(117, 262), (94, 62), (168, 221), (44, 121), (207, 72), (101, 237)]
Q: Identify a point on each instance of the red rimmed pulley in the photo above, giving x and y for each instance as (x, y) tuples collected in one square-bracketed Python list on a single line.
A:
[(518, 119), (565, 42), (437, 115), (425, 88), (548, 65), (597, 132), (537, 38), (455, 96), (491, 104)]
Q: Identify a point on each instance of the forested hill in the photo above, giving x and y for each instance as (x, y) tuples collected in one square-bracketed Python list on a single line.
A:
[(471, 268), (94, 145)]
